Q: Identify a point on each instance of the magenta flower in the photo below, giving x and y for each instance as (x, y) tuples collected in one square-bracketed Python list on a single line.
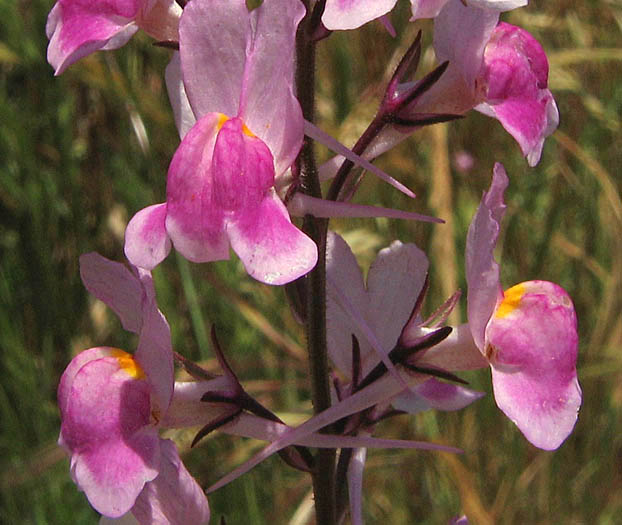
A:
[(528, 334), (248, 131), (112, 402), (76, 28)]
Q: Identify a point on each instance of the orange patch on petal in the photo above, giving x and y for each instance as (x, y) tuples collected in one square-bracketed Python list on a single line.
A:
[(128, 364), (511, 300)]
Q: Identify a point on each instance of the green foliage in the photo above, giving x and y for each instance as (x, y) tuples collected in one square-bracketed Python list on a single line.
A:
[(76, 165)]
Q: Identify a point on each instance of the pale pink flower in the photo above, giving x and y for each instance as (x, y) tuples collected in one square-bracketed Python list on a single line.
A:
[(528, 334), (248, 131)]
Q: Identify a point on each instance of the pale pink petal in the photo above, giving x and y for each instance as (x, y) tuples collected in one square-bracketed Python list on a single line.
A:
[(355, 485), (482, 271), (272, 249), (342, 268), (532, 346), (155, 356), (194, 221), (460, 36), (455, 352), (105, 426), (114, 284), (213, 35), (436, 395), (499, 5), (184, 116), (146, 242), (76, 28), (350, 14), (174, 497), (426, 8), (268, 105), (394, 282)]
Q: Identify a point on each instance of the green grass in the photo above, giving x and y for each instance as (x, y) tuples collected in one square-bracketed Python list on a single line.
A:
[(72, 172)]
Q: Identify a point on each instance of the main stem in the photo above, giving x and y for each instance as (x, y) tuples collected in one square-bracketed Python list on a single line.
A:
[(315, 281)]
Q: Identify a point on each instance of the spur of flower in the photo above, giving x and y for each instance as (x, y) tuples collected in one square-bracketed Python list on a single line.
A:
[(237, 70)]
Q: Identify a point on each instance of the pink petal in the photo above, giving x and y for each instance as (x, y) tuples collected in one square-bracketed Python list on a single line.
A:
[(174, 497), (456, 352), (436, 395), (394, 282), (194, 221), (267, 104), (482, 271), (105, 426), (350, 14), (76, 364), (342, 268), (184, 116), (532, 346), (515, 72), (272, 249), (426, 8), (114, 284), (155, 356), (460, 36), (213, 35), (76, 28), (146, 242)]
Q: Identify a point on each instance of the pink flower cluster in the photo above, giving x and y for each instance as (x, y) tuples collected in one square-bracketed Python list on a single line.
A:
[(232, 184)]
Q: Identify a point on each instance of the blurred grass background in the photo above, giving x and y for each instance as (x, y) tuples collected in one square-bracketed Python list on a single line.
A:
[(80, 154)]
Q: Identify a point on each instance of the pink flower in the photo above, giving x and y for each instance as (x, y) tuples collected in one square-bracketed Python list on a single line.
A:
[(111, 403), (248, 131), (76, 28), (528, 334), (495, 68)]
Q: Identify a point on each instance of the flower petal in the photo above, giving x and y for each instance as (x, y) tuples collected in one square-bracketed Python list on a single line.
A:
[(213, 35), (77, 28), (482, 271), (174, 497), (532, 346), (436, 395), (272, 249), (394, 282), (184, 116), (146, 242), (115, 285), (268, 105), (155, 356), (342, 268), (350, 14), (194, 222), (105, 426)]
